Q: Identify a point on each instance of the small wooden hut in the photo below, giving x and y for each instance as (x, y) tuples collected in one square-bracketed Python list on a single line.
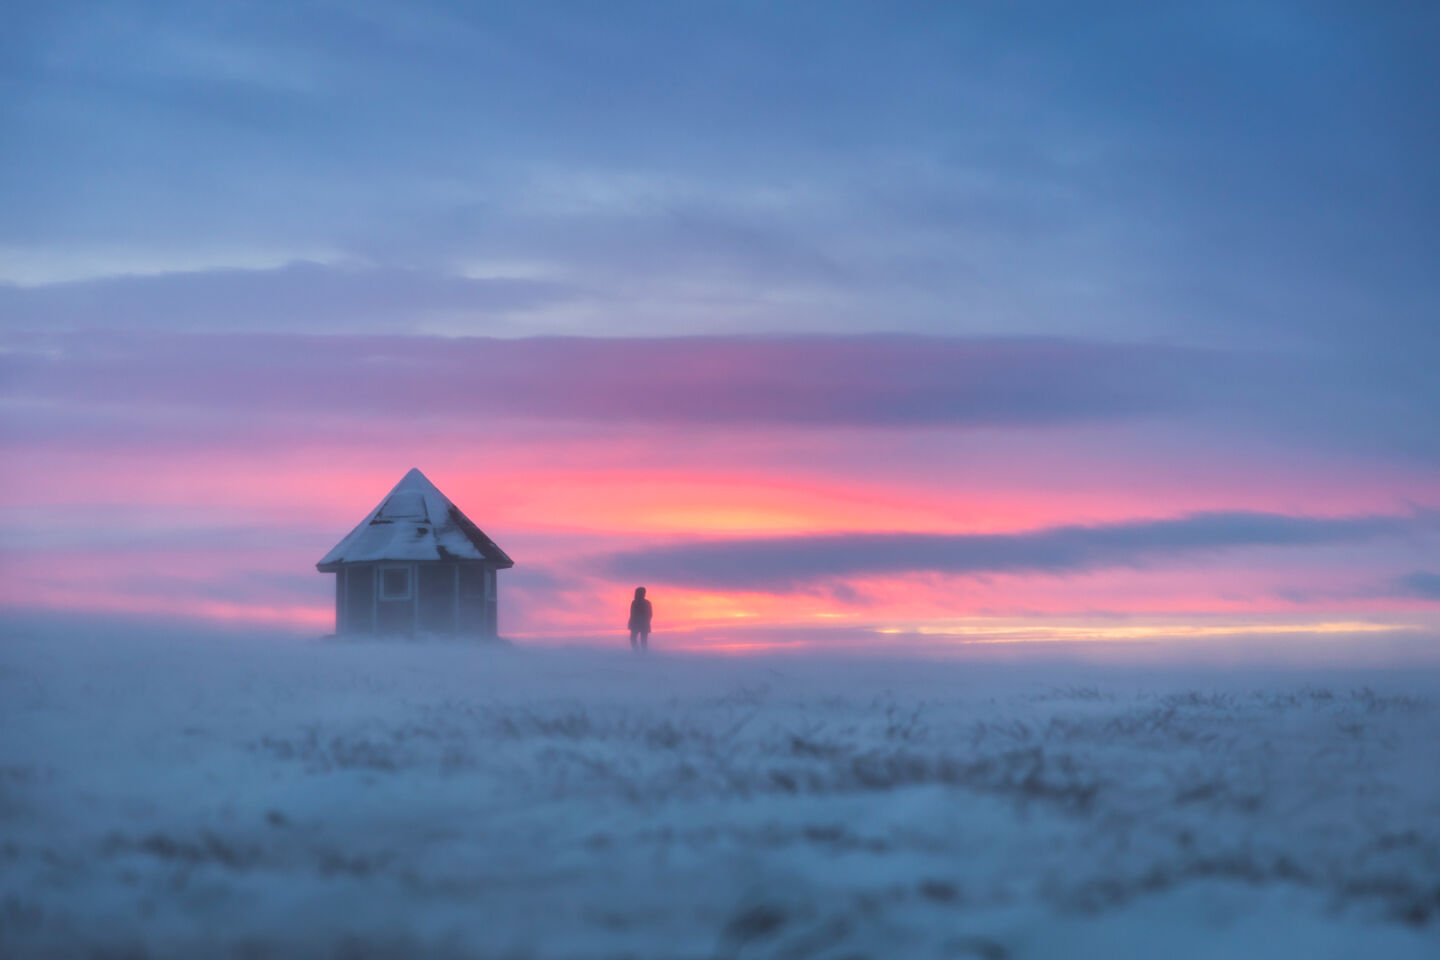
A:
[(416, 564)]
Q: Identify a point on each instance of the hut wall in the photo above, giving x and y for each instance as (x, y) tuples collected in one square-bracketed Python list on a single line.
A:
[(492, 603), (405, 598), (395, 605), (359, 594), (473, 614), (438, 585)]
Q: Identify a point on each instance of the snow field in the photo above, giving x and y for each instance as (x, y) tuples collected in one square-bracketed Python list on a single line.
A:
[(257, 796)]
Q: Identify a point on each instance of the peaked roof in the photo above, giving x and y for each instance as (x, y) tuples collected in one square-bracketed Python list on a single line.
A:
[(415, 521)]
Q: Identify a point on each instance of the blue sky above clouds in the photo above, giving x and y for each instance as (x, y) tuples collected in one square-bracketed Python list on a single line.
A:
[(1125, 170)]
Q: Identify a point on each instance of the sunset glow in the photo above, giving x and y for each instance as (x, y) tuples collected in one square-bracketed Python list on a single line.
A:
[(1022, 362)]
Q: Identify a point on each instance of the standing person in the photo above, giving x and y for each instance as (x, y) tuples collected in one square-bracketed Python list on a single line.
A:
[(640, 614)]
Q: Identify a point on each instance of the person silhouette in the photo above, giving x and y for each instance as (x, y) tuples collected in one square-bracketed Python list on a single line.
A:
[(640, 613)]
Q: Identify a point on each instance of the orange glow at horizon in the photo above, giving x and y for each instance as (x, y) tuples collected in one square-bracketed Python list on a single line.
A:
[(916, 608), (136, 543), (1020, 631), (223, 612)]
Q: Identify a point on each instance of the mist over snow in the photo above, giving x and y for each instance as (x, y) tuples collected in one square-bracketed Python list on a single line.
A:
[(179, 794)]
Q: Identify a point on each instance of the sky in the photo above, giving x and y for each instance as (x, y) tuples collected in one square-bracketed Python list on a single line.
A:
[(831, 323)]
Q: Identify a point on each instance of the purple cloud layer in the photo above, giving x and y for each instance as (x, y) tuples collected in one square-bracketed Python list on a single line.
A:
[(198, 389), (1421, 584), (851, 381), (780, 564)]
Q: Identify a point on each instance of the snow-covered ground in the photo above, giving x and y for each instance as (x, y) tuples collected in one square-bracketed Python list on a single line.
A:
[(257, 797)]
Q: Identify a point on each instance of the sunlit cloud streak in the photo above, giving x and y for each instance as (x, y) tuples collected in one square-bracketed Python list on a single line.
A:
[(781, 564)]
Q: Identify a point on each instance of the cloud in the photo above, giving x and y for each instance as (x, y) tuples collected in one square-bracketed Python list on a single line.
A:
[(783, 564), (104, 387), (824, 381), (200, 388), (1422, 584), (301, 295), (979, 169)]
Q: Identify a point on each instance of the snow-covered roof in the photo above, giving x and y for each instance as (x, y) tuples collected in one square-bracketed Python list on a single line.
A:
[(415, 521)]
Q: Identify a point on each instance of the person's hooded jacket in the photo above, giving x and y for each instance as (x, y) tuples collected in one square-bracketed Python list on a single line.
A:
[(640, 612)]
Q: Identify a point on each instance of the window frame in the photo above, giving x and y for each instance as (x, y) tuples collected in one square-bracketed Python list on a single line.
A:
[(382, 570)]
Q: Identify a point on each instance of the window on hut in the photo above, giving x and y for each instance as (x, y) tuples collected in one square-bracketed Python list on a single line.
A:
[(394, 583)]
